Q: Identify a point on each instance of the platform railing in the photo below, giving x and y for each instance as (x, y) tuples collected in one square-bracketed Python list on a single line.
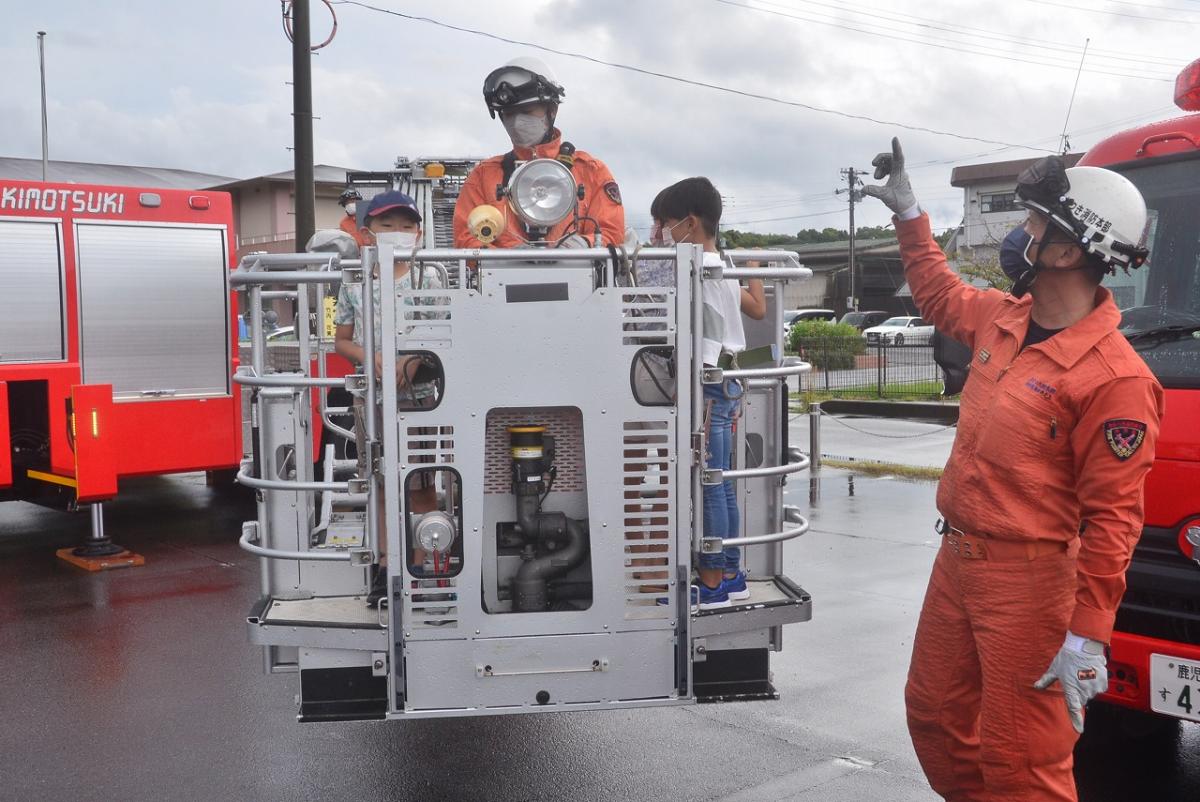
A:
[(761, 377), (791, 515)]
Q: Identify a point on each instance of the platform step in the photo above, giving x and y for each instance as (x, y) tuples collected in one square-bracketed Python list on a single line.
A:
[(773, 601), (330, 622)]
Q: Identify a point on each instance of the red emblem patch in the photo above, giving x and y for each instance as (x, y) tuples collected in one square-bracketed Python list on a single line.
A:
[(613, 192), (1124, 436)]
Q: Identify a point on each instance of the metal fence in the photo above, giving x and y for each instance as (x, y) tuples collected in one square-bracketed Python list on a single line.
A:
[(852, 367)]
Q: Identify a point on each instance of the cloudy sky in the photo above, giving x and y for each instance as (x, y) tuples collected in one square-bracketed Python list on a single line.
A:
[(203, 86)]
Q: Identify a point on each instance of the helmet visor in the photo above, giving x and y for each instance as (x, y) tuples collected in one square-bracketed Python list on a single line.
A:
[(1044, 182), (515, 86)]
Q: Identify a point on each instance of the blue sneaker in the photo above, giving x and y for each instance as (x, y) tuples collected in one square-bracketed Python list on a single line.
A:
[(706, 598), (735, 587)]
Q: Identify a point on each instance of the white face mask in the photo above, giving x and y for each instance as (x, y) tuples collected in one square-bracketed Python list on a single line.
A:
[(668, 234), (401, 241), (351, 208), (405, 240), (526, 130)]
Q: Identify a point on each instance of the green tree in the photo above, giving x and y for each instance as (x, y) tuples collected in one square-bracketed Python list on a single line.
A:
[(874, 232), (750, 239), (986, 270)]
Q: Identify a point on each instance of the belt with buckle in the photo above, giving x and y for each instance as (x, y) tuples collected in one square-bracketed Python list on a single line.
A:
[(981, 547)]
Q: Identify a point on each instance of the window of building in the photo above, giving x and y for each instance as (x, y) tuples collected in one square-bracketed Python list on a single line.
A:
[(998, 202)]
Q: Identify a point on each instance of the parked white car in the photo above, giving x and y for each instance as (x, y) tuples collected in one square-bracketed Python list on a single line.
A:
[(900, 331)]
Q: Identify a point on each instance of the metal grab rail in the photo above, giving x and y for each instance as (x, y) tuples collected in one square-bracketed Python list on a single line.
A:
[(326, 419), (249, 538), (717, 375), (290, 380), (797, 462), (761, 272), (244, 478), (258, 277), (267, 261), (791, 515)]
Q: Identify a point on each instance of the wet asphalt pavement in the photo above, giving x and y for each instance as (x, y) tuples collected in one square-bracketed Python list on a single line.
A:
[(139, 684)]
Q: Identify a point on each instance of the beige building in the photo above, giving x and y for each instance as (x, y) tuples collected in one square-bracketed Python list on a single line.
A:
[(990, 207), (264, 208)]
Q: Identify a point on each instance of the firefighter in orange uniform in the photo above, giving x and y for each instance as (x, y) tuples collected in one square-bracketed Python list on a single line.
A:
[(349, 201), (526, 95), (1042, 498)]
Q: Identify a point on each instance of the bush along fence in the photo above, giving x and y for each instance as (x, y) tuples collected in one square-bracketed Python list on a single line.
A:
[(848, 367)]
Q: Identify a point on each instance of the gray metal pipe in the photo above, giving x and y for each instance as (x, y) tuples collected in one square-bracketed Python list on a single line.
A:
[(529, 586), (797, 463), (250, 535), (257, 278), (791, 515), (766, 373), (285, 380), (267, 261), (814, 436), (766, 272), (285, 485)]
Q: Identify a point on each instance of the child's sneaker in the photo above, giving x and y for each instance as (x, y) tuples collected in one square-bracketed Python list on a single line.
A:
[(735, 586), (706, 598)]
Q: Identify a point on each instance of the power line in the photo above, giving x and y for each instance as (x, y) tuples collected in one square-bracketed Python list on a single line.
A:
[(1075, 133), (985, 33), (894, 36), (1116, 13), (778, 219), (682, 80), (1156, 8)]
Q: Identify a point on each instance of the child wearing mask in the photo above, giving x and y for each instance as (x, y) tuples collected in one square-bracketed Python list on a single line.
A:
[(394, 214), (690, 212)]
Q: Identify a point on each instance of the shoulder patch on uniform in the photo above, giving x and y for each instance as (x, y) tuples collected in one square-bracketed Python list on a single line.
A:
[(1124, 436), (613, 192)]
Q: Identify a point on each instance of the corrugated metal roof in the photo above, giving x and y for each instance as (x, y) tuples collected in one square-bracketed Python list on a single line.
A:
[(994, 171), (322, 174), (121, 175)]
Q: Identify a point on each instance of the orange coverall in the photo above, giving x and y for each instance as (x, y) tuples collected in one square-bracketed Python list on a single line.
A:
[(1047, 474), (601, 199), (349, 225)]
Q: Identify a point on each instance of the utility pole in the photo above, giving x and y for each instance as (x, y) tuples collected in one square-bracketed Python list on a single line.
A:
[(41, 36), (302, 135), (855, 196)]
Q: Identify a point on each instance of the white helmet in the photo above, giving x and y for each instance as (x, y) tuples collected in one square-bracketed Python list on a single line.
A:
[(333, 240), (520, 82), (1102, 211)]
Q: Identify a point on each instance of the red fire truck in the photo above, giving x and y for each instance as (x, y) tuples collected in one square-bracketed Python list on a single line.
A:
[(117, 345), (1155, 659)]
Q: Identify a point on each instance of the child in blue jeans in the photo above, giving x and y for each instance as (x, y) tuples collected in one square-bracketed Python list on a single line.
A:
[(690, 212)]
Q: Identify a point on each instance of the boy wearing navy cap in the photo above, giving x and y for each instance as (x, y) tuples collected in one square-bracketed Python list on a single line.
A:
[(394, 215)]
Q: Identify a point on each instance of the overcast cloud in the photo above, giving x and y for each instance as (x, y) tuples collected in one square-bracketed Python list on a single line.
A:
[(203, 86)]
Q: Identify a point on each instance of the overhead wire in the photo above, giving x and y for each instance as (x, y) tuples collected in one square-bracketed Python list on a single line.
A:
[(894, 36), (683, 80), (957, 29), (1125, 14)]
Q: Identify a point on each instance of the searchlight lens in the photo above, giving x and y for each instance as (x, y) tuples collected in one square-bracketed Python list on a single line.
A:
[(542, 192)]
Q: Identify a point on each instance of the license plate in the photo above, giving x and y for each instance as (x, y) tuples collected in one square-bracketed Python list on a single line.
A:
[(1175, 686)]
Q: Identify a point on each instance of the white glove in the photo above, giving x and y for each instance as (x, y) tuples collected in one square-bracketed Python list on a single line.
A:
[(1082, 670), (897, 193)]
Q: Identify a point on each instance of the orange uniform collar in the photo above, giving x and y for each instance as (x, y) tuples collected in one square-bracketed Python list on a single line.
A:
[(1069, 345), (546, 150)]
